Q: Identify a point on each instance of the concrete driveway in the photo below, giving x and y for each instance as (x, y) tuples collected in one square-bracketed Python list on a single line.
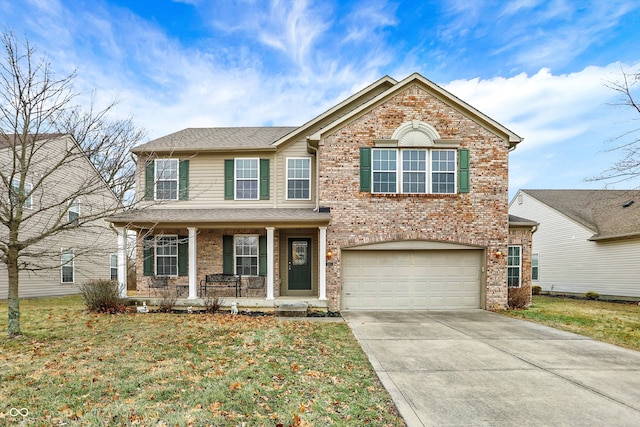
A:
[(480, 368)]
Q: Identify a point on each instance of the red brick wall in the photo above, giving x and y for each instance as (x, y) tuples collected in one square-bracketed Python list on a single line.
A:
[(478, 218)]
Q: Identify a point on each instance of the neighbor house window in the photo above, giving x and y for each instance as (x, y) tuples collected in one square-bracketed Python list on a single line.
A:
[(166, 256), (514, 266), (299, 179), (66, 269), (166, 179), (15, 188), (534, 266), (418, 171), (246, 176), (113, 266), (246, 255), (74, 212)]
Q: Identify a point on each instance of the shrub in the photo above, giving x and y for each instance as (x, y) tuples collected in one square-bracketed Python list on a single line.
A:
[(212, 305), (536, 290), (592, 295), (519, 298), (167, 302), (102, 296)]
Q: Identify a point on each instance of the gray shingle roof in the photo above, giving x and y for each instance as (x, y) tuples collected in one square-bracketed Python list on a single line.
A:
[(601, 211), (217, 217), (522, 222), (203, 139)]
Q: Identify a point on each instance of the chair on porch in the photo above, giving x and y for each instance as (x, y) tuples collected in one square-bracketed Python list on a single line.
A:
[(255, 286), (158, 283)]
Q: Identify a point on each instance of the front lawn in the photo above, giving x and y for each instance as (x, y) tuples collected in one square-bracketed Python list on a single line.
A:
[(614, 323), (79, 368)]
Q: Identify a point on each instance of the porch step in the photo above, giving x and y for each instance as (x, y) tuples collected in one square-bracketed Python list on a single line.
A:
[(293, 309)]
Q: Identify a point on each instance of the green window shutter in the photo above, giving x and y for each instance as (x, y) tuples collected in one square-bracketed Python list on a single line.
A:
[(148, 255), (463, 170), (264, 179), (183, 181), (262, 255), (227, 255), (183, 256), (229, 166), (365, 168), (149, 179)]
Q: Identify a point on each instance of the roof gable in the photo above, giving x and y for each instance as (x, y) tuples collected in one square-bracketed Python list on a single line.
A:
[(437, 91), (609, 214)]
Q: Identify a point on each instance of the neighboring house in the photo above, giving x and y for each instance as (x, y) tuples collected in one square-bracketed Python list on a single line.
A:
[(588, 240), (72, 192), (396, 198)]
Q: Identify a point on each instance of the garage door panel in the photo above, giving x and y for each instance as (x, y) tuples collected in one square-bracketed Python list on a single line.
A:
[(448, 279)]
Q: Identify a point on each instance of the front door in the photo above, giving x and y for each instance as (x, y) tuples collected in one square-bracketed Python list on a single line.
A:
[(299, 264)]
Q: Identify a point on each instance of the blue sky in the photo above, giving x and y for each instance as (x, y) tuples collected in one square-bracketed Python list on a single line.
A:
[(538, 67)]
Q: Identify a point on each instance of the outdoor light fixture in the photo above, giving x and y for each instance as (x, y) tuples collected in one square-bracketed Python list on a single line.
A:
[(498, 253), (329, 254)]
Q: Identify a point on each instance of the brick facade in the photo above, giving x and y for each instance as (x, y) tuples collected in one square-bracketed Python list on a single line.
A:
[(479, 218)]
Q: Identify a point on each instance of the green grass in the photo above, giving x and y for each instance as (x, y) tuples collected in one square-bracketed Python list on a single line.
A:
[(614, 323), (80, 368)]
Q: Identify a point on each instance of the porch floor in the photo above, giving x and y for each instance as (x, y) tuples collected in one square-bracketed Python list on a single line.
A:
[(243, 303)]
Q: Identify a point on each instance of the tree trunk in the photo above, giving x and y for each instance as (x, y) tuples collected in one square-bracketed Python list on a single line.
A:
[(14, 302)]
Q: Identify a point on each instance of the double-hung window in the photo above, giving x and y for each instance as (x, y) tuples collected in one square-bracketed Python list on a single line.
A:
[(166, 256), (246, 255), (113, 266), (74, 212), (514, 266), (246, 175), (535, 266), (166, 178), (67, 267), (299, 179), (15, 189), (419, 171)]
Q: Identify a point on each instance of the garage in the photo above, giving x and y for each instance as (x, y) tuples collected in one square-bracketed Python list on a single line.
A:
[(411, 279)]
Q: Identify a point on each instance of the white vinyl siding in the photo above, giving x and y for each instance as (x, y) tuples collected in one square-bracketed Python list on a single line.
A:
[(571, 263)]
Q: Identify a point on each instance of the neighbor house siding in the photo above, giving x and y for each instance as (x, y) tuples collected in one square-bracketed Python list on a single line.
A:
[(478, 218), (569, 262)]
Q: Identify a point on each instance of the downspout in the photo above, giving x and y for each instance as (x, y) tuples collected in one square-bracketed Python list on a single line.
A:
[(315, 152)]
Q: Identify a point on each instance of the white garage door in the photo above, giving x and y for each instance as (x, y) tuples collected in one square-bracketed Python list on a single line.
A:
[(410, 280)]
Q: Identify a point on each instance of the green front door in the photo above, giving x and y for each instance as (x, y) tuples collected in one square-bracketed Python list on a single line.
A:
[(299, 264)]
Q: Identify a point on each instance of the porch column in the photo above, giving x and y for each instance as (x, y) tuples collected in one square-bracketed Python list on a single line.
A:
[(122, 261), (193, 274), (322, 268), (270, 249)]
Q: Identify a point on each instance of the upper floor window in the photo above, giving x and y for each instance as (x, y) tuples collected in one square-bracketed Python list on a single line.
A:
[(67, 267), (419, 171), (74, 212), (246, 174), (514, 266), (15, 189), (166, 179), (299, 179)]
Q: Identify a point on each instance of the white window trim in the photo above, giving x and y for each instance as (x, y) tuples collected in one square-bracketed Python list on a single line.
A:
[(72, 263), (257, 256), (28, 187), (535, 255), (156, 180), (74, 207), (519, 266), (297, 179), (235, 178), (111, 266), (428, 172), (155, 255)]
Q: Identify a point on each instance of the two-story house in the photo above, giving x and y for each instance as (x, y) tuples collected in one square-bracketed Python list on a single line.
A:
[(396, 198), (66, 241)]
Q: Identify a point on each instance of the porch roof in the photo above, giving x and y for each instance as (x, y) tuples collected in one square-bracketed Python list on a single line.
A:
[(220, 218)]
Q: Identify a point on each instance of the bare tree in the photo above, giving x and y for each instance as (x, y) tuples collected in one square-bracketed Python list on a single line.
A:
[(52, 156), (627, 167)]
